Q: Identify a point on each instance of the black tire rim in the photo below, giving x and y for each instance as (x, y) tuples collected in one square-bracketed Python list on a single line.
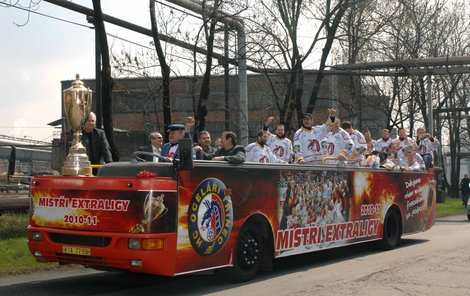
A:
[(248, 252)]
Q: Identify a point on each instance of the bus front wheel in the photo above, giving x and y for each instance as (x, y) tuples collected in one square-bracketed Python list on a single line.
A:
[(248, 255), (391, 236)]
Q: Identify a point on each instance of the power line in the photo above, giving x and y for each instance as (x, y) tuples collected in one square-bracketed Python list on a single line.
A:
[(91, 27), (46, 15)]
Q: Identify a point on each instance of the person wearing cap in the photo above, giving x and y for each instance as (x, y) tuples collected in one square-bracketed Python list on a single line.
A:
[(360, 145), (278, 142), (383, 143), (230, 151), (155, 147), (307, 139), (176, 132)]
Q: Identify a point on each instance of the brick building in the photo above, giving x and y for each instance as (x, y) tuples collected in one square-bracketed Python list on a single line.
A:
[(138, 107)]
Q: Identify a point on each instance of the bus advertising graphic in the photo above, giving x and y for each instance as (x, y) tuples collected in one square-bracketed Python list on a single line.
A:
[(210, 217)]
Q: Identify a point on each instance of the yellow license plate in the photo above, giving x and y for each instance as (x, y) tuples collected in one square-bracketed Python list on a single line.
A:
[(76, 250)]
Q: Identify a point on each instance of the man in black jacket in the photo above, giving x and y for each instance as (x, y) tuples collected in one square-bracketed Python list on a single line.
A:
[(230, 151), (465, 189), (204, 150), (95, 142)]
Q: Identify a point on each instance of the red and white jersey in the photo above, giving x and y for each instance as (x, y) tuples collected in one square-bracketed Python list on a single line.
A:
[(382, 145), (282, 148), (360, 145), (336, 144), (307, 143), (425, 146), (261, 154), (406, 141)]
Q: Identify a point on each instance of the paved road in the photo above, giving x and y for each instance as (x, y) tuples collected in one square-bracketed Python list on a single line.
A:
[(436, 262)]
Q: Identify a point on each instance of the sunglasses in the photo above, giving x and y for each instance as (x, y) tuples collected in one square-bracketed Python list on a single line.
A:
[(159, 138)]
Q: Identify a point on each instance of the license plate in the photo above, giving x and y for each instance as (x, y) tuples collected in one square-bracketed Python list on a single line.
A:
[(76, 251)]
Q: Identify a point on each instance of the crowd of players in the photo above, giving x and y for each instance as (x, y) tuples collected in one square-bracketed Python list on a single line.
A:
[(336, 143), (332, 143)]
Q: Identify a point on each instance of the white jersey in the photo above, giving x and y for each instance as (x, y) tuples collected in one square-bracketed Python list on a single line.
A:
[(336, 144), (418, 158), (282, 148), (307, 143), (414, 166), (261, 154), (382, 145), (360, 145), (425, 146), (406, 141)]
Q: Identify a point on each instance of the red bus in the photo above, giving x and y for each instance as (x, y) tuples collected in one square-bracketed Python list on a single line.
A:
[(167, 219)]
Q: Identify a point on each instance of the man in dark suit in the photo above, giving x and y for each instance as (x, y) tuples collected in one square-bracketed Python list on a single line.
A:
[(95, 142), (156, 143)]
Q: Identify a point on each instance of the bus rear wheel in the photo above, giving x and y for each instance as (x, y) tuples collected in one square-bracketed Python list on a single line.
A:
[(391, 236), (249, 254)]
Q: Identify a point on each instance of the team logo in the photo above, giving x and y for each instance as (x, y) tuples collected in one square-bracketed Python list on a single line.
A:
[(313, 145), (279, 151), (331, 148), (210, 217), (264, 159)]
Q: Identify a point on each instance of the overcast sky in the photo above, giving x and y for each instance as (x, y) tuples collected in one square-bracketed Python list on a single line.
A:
[(37, 56)]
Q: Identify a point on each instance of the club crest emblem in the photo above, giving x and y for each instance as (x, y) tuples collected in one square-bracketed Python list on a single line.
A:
[(210, 217)]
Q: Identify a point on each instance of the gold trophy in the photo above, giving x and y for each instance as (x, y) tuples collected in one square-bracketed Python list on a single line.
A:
[(77, 106)]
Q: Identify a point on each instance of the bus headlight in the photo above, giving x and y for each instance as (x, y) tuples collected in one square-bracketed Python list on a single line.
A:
[(134, 244), (36, 236)]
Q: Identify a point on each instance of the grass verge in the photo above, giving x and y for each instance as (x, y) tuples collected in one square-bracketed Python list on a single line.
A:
[(450, 207), (15, 257)]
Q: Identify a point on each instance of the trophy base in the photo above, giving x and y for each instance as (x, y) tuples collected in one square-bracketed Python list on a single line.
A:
[(77, 164), (77, 171)]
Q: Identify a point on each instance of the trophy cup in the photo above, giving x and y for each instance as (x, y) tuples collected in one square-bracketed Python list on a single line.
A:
[(77, 107)]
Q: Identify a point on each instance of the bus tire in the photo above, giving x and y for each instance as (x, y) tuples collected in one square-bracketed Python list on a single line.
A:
[(248, 255), (391, 236)]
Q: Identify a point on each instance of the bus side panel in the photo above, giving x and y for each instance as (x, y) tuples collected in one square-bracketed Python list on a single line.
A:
[(326, 209), (308, 208), (213, 204)]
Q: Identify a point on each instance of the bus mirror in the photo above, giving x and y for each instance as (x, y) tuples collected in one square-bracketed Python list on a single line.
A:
[(185, 147)]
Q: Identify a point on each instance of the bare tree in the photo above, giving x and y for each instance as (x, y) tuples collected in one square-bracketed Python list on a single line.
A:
[(106, 79)]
